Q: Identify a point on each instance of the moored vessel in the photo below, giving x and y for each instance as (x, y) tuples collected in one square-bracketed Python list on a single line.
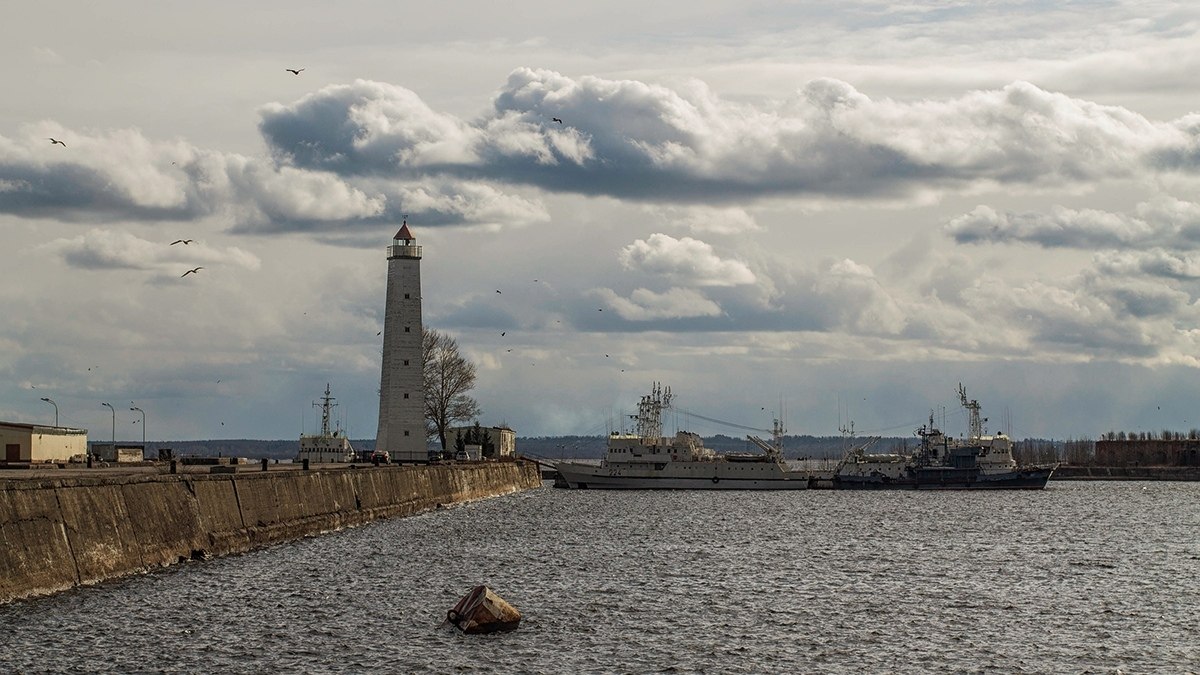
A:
[(645, 460), (977, 462), (329, 445)]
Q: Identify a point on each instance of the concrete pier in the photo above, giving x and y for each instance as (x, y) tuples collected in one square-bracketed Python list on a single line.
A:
[(60, 532)]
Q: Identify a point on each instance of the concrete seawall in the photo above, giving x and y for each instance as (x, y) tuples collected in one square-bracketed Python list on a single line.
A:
[(57, 533), (1188, 473)]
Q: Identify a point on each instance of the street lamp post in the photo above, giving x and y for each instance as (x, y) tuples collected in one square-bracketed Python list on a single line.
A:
[(137, 409), (51, 402), (114, 428)]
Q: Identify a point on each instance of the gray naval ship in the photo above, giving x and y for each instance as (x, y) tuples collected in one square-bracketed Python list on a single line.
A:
[(645, 460), (977, 462)]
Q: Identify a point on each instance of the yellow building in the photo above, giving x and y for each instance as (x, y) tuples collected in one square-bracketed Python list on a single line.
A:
[(37, 443)]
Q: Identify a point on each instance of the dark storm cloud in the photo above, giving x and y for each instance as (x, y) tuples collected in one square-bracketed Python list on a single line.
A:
[(124, 175), (631, 139), (351, 157), (1155, 263), (1061, 228), (78, 193), (1163, 222)]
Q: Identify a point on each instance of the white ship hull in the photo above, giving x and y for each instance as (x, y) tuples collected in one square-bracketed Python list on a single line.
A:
[(682, 476)]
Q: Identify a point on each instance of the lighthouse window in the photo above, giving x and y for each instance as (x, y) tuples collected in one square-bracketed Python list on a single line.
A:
[(406, 296), (406, 362), (406, 396), (406, 432), (406, 329)]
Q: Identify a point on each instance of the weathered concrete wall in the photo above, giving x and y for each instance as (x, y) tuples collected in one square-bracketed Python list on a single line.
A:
[(59, 533), (1126, 473)]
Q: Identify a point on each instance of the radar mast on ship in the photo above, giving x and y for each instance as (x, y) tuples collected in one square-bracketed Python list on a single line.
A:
[(326, 405), (648, 420)]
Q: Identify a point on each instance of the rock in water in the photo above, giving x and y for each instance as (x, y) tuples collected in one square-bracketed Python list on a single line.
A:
[(482, 611)]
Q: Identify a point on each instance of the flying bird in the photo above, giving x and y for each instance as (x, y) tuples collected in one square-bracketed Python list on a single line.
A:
[(294, 71), (555, 119), (191, 271), (55, 141), (185, 242), (502, 333), (379, 333), (497, 290)]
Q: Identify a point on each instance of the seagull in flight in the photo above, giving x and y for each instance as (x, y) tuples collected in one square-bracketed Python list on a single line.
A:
[(194, 270), (185, 242), (55, 141), (294, 71), (555, 119)]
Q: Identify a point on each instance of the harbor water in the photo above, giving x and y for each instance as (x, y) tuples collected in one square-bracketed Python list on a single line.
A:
[(1079, 577)]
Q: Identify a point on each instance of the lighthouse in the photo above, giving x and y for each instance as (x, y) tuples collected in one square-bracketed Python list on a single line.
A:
[(401, 384)]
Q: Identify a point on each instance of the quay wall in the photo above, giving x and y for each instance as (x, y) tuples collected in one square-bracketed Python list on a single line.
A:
[(58, 533), (1188, 473)]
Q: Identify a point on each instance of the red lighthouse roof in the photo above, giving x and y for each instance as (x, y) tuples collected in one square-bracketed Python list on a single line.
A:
[(404, 233)]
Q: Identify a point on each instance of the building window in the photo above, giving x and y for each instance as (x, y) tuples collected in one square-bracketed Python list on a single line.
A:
[(406, 296), (406, 396), (406, 329), (406, 362), (406, 432)]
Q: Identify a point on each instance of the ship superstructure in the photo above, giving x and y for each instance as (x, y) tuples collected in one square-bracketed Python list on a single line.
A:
[(645, 459)]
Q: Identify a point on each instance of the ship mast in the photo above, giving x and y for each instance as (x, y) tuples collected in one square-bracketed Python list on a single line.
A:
[(327, 403), (648, 419), (972, 406)]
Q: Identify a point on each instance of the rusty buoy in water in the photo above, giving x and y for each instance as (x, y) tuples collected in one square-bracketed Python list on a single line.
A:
[(482, 611)]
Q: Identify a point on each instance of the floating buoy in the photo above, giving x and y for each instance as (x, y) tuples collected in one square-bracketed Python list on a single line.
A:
[(482, 611)]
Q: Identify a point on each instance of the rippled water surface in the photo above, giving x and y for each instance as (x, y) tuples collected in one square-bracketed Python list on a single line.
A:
[(1080, 577)]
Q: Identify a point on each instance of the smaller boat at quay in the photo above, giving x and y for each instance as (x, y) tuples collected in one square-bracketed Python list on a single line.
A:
[(978, 462), (646, 460)]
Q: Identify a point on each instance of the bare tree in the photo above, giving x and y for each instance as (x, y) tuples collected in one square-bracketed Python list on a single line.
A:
[(448, 378)]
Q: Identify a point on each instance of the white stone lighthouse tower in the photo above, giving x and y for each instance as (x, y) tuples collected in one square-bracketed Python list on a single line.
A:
[(401, 385)]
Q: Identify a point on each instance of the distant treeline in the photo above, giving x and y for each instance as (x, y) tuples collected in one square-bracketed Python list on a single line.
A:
[(593, 447), (555, 447), (1164, 435), (1131, 448)]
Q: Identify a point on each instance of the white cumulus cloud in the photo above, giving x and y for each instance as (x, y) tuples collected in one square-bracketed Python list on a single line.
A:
[(685, 260)]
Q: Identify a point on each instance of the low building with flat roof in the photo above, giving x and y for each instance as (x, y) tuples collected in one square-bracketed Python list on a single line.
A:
[(120, 453), (37, 443), (503, 439)]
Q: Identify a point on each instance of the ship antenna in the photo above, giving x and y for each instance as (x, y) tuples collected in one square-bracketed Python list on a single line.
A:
[(327, 403), (972, 407), (649, 415)]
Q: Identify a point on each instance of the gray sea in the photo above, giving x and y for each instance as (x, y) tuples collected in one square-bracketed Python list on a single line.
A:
[(1076, 578)]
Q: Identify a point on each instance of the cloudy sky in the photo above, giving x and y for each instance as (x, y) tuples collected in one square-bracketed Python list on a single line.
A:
[(835, 211)]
